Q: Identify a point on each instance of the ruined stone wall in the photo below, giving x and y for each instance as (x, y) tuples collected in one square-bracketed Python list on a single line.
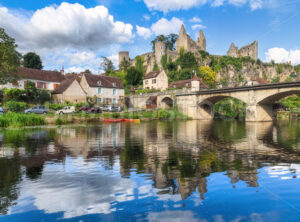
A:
[(186, 42), (160, 50), (250, 50)]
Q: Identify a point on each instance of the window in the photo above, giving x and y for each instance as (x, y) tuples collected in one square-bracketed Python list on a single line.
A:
[(146, 82), (55, 85), (114, 101), (187, 85), (153, 81), (99, 83), (99, 100), (41, 85), (174, 86), (114, 84), (100, 91), (115, 91)]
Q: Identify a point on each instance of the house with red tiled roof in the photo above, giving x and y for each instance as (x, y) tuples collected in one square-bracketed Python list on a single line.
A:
[(69, 90), (194, 83), (108, 90), (257, 81), (42, 79), (156, 80)]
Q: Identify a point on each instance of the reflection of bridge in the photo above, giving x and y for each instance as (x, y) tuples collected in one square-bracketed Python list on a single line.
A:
[(199, 105)]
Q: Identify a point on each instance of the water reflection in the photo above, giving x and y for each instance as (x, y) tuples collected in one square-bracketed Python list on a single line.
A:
[(150, 171)]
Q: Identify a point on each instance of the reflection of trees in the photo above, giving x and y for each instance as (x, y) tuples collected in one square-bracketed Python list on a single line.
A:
[(31, 139), (228, 131), (133, 155), (10, 176), (34, 172), (288, 135)]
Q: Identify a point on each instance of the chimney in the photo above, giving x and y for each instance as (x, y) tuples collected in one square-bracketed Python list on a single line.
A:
[(62, 71)]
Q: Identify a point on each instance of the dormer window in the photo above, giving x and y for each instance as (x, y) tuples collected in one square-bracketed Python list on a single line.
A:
[(114, 84), (99, 83)]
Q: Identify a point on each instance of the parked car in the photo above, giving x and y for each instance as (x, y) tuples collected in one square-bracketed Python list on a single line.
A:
[(84, 108), (66, 110), (118, 108), (106, 108), (37, 110), (94, 110), (2, 110), (112, 108)]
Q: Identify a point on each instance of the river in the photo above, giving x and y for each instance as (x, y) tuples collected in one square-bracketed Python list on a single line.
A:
[(153, 171)]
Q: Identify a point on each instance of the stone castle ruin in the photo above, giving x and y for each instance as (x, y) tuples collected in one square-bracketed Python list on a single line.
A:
[(250, 50), (185, 42), (233, 76)]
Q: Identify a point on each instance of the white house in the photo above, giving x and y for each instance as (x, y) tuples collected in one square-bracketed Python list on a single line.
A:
[(156, 80), (43, 79), (108, 90)]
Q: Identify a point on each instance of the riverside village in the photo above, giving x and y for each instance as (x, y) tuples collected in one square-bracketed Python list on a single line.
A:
[(150, 111)]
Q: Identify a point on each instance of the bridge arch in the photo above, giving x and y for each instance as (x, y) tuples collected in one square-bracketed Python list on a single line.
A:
[(206, 106), (273, 97), (167, 103)]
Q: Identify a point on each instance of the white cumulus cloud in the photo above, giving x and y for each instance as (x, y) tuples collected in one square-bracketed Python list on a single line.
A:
[(144, 32), (281, 55), (65, 25), (165, 27)]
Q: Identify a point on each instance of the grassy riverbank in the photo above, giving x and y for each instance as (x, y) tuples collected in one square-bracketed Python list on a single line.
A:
[(21, 120), (14, 120)]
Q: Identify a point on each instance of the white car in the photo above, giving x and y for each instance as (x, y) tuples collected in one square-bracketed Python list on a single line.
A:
[(66, 110)]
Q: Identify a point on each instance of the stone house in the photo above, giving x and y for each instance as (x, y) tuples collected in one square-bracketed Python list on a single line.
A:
[(108, 90), (256, 81), (156, 80), (42, 79), (69, 90), (194, 84)]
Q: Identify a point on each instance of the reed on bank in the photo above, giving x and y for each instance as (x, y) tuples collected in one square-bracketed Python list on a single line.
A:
[(21, 120)]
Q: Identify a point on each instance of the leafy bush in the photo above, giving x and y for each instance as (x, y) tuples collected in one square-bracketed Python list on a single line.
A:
[(14, 94), (53, 106), (163, 114), (14, 106)]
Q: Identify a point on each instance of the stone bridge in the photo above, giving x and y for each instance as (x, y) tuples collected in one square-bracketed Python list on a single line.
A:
[(200, 105)]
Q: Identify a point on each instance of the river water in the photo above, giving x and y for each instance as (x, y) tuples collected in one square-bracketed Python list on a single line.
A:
[(153, 171)]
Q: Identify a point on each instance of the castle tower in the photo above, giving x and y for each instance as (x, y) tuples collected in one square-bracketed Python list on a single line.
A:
[(201, 41), (233, 51), (160, 50), (182, 40), (123, 56)]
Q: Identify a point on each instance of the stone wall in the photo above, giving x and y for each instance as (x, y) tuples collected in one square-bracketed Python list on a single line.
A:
[(250, 50)]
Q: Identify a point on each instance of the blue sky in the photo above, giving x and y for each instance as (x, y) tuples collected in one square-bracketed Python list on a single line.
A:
[(75, 34)]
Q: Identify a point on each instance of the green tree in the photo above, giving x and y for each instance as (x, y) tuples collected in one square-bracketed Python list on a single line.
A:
[(32, 60), (169, 40), (208, 75), (87, 71), (31, 92), (124, 65), (187, 60), (9, 57), (107, 65), (139, 64), (155, 67), (134, 77), (164, 61)]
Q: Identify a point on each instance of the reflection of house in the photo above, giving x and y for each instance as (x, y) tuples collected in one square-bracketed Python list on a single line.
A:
[(194, 83), (106, 89), (42, 79), (69, 90), (156, 80)]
